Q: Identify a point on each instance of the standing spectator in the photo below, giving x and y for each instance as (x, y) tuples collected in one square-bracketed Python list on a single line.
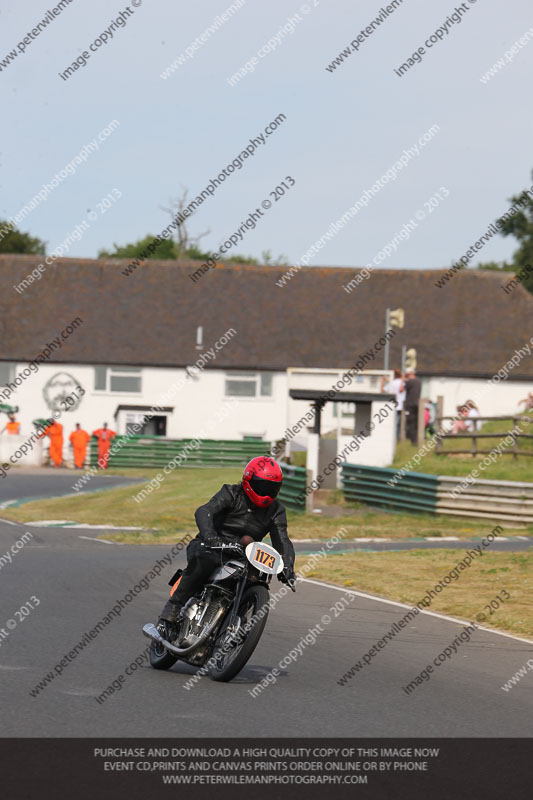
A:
[(431, 415), (472, 411), (78, 440), (12, 427), (528, 402), (104, 436), (54, 430), (459, 426), (395, 387), (413, 388)]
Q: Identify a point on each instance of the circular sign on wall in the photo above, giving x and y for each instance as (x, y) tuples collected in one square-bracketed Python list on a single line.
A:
[(62, 392)]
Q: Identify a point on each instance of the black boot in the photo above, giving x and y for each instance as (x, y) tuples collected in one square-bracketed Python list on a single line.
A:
[(167, 624), (171, 610)]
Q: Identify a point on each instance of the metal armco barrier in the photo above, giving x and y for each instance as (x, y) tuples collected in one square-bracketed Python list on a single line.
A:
[(413, 492), (510, 501), (292, 492), (154, 451), (505, 501)]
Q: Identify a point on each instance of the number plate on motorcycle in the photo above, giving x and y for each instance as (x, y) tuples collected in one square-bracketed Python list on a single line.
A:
[(264, 557)]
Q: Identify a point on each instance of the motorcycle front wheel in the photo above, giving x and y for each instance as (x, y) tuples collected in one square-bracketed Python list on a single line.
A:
[(160, 658), (230, 657)]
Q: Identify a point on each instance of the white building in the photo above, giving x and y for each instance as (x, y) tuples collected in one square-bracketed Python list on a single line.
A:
[(217, 357)]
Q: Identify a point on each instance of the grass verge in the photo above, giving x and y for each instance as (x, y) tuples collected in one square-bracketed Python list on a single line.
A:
[(406, 577), (167, 509), (170, 510)]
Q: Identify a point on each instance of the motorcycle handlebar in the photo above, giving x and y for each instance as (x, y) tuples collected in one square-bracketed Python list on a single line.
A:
[(234, 546)]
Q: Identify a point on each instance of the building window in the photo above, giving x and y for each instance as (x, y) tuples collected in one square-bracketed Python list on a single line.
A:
[(100, 378), (7, 372), (117, 379), (347, 410), (248, 384), (266, 384)]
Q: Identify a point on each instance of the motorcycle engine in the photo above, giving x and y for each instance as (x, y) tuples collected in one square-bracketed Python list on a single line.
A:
[(197, 615)]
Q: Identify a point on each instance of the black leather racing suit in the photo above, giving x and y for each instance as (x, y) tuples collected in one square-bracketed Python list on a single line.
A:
[(228, 516)]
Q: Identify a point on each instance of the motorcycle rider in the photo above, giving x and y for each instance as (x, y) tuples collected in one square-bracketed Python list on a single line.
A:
[(247, 508)]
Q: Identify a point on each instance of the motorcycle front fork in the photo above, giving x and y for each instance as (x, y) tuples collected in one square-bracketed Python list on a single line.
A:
[(236, 603)]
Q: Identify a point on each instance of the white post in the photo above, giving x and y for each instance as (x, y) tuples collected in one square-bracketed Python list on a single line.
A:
[(313, 443)]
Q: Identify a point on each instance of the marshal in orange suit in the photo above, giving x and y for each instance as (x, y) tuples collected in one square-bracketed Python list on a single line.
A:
[(78, 439), (12, 426), (104, 435), (55, 432)]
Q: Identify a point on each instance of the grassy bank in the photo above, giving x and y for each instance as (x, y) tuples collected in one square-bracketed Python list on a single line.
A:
[(170, 509), (406, 577), (505, 468)]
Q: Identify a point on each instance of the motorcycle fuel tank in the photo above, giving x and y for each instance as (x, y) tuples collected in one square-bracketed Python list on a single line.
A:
[(231, 569)]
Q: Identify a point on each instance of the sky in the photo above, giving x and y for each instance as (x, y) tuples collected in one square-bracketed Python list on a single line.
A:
[(343, 128)]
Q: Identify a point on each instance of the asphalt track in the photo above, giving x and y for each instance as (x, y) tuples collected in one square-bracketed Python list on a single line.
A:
[(78, 580), (24, 484)]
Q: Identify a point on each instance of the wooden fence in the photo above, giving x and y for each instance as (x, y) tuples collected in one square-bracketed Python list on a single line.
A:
[(476, 435)]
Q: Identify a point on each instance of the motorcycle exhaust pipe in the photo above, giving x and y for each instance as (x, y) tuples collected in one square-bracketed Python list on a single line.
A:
[(151, 632)]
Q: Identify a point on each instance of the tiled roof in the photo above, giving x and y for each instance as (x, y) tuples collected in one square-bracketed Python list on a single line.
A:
[(470, 327)]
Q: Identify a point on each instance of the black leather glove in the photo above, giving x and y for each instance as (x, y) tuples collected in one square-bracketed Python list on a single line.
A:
[(211, 540), (288, 577)]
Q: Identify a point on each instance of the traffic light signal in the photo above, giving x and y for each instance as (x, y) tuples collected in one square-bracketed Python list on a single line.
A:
[(410, 359), (396, 317)]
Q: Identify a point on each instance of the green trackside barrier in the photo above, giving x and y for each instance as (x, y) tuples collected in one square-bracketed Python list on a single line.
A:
[(292, 492), (510, 502), (157, 452), (414, 491)]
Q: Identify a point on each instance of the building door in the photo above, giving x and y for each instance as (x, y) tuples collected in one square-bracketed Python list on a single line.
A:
[(156, 426)]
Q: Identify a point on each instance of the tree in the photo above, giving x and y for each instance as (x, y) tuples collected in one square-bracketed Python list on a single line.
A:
[(14, 241), (188, 246), (166, 249), (268, 260), (183, 245), (184, 242), (237, 259), (520, 225), (195, 253)]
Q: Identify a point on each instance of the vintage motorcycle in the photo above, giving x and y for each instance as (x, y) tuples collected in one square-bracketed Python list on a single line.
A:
[(220, 627)]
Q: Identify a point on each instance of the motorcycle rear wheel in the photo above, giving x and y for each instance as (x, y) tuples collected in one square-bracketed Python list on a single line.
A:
[(225, 666)]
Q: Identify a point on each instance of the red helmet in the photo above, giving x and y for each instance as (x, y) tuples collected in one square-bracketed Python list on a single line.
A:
[(262, 480)]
